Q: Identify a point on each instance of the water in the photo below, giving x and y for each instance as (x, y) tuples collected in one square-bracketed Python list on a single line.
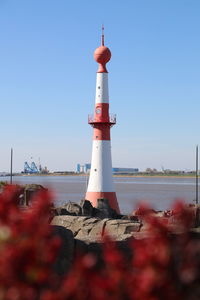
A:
[(158, 192)]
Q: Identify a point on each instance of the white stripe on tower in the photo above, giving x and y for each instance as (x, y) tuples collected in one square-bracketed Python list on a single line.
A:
[(102, 95), (101, 168), (101, 179)]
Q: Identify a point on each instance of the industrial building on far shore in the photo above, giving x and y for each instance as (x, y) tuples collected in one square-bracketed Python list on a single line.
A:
[(34, 169), (86, 169)]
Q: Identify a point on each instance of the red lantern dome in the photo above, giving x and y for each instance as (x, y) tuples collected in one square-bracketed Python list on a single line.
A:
[(102, 55)]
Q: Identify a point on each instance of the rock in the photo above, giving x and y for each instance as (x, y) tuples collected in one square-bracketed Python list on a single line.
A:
[(73, 208), (130, 217), (86, 207), (93, 229), (73, 223), (121, 229), (70, 208), (60, 211), (102, 203), (104, 210), (66, 252), (80, 248)]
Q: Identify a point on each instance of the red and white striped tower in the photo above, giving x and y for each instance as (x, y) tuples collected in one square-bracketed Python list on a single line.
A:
[(100, 183)]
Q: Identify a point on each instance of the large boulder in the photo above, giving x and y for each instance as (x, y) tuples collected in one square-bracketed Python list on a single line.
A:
[(121, 230), (73, 208), (94, 229), (75, 224), (70, 208), (86, 208), (104, 210), (66, 252), (60, 211)]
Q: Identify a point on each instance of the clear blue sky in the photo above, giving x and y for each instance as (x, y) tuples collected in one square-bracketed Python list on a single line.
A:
[(47, 81)]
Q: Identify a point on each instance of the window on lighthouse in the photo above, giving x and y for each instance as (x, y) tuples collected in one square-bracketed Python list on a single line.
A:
[(98, 110)]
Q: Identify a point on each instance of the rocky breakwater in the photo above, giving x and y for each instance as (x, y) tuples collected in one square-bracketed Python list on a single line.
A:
[(82, 227), (91, 225)]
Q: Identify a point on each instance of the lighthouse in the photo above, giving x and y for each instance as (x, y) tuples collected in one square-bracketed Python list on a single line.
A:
[(100, 183)]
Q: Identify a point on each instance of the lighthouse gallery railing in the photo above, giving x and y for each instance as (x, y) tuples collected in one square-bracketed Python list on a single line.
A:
[(111, 121)]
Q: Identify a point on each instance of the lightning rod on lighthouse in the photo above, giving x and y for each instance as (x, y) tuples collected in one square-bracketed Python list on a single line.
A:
[(100, 183)]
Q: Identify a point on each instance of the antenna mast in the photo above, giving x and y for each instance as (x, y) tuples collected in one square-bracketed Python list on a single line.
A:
[(102, 36)]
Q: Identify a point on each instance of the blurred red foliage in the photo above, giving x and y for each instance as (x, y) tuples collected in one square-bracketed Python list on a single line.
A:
[(163, 265), (27, 248)]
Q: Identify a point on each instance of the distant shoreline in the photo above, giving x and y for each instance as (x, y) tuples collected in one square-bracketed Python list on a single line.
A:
[(115, 175), (157, 176)]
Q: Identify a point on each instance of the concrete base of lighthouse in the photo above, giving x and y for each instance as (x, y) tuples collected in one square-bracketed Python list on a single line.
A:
[(111, 196)]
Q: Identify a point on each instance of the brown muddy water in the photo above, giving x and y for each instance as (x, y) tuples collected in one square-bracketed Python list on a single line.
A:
[(158, 192)]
